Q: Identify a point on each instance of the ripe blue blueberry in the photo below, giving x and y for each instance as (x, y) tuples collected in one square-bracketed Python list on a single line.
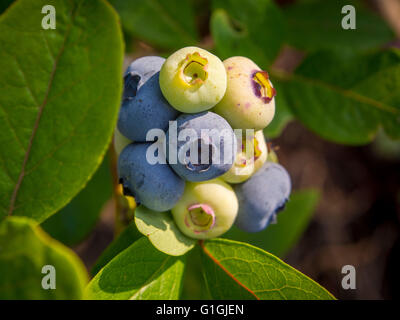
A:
[(138, 72), (262, 197), (147, 110), (156, 186), (203, 146)]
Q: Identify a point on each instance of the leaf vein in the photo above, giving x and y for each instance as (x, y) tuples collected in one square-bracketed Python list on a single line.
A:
[(39, 115)]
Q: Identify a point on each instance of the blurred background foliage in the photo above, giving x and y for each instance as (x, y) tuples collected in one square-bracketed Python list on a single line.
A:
[(346, 207), (73, 223)]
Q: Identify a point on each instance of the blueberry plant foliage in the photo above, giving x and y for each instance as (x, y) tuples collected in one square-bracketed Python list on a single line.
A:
[(162, 231), (60, 92), (58, 107), (139, 272), (25, 250), (172, 22)]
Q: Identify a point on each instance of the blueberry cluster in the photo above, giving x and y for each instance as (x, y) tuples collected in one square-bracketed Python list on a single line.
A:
[(190, 126)]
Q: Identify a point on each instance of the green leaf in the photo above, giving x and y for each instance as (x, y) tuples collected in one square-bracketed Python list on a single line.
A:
[(4, 4), (24, 250), (317, 24), (59, 97), (279, 238), (168, 24), (162, 231), (282, 116), (139, 272), (235, 270), (194, 285), (346, 99), (73, 223), (255, 30), (127, 237)]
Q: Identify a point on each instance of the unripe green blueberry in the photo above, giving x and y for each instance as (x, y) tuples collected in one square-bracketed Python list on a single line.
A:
[(248, 160), (272, 156), (206, 210), (249, 99), (193, 80), (120, 141)]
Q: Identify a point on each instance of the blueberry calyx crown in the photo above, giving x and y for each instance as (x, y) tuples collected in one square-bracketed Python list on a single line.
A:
[(262, 86), (194, 69), (243, 158), (257, 149), (126, 191), (281, 206), (274, 217), (200, 217), (131, 84), (204, 152)]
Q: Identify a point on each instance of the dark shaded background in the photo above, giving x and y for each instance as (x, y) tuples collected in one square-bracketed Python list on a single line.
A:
[(357, 219)]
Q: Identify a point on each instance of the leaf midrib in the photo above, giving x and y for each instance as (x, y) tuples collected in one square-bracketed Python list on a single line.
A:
[(274, 259), (39, 115), (219, 264), (150, 279), (282, 75)]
